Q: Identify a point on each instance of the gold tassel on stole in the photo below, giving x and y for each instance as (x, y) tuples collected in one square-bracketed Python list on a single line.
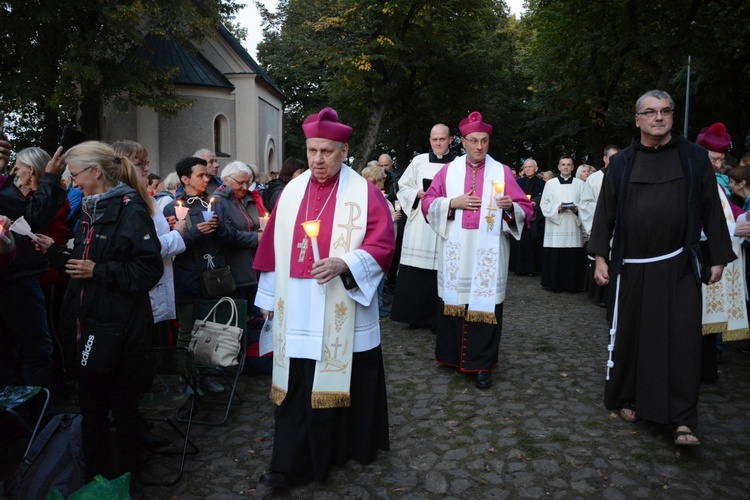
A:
[(277, 395), (457, 311), (481, 317), (324, 400)]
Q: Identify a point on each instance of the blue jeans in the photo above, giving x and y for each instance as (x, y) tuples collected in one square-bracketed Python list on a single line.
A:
[(23, 321)]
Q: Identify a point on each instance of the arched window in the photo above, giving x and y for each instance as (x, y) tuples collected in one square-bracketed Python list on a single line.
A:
[(271, 163), (221, 135)]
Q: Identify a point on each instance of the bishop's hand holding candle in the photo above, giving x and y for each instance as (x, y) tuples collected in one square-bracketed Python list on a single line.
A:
[(501, 200)]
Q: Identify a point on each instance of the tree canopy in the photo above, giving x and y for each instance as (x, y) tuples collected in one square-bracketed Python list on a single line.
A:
[(562, 79), (62, 60)]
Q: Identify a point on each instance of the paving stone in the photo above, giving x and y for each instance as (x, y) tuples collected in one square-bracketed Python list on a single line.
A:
[(540, 431)]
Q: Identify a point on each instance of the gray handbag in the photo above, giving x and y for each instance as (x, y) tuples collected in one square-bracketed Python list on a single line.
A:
[(215, 343)]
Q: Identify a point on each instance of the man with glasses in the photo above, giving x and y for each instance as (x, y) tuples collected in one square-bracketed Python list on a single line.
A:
[(717, 141), (474, 204), (657, 195)]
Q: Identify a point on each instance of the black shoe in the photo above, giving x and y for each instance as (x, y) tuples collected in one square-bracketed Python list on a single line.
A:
[(281, 480), (484, 380)]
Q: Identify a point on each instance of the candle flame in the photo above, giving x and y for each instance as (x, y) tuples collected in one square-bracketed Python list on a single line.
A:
[(499, 186), (312, 228)]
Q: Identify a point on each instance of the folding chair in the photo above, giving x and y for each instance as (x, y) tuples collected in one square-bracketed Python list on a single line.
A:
[(231, 375), (14, 396), (173, 367)]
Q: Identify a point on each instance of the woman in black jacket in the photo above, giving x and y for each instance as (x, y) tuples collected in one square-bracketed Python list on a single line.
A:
[(115, 262), (291, 168)]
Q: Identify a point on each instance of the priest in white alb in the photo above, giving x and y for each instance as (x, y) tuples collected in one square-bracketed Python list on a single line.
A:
[(415, 298), (474, 204), (319, 287), (564, 258)]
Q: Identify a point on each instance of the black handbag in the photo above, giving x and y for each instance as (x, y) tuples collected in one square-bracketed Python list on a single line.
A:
[(100, 346), (216, 282), (700, 260)]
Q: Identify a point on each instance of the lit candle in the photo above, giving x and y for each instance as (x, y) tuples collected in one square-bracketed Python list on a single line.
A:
[(264, 221), (180, 211), (499, 187), (528, 196), (312, 228), (397, 206), (209, 204)]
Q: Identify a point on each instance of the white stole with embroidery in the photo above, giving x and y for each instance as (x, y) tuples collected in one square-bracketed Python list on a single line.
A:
[(486, 254), (300, 330)]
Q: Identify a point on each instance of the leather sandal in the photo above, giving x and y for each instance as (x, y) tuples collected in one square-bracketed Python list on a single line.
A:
[(685, 442), (627, 416)]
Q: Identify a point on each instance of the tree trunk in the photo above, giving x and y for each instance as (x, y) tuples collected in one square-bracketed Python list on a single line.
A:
[(370, 136)]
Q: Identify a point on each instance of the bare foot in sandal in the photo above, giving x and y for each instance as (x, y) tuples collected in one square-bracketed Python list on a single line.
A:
[(628, 415), (684, 436)]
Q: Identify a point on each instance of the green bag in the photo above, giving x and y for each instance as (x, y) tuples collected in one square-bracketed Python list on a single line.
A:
[(98, 489)]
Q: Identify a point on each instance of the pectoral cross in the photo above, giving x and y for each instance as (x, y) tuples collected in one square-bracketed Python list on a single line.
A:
[(302, 248)]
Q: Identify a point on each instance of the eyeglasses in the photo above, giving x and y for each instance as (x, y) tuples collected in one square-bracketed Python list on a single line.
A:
[(245, 184), (650, 113), (143, 164), (475, 142), (73, 176)]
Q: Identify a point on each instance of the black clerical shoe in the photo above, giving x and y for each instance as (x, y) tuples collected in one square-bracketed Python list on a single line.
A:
[(281, 480), (484, 380)]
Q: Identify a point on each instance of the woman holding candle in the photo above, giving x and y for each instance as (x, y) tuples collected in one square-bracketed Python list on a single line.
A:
[(243, 207), (205, 239)]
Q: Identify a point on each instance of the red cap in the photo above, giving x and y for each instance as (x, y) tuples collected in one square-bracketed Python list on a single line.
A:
[(714, 138), (325, 125), (474, 123)]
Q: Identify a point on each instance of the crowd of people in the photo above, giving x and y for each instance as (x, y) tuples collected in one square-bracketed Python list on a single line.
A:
[(116, 249)]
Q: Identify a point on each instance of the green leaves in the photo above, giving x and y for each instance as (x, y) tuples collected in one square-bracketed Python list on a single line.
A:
[(60, 55)]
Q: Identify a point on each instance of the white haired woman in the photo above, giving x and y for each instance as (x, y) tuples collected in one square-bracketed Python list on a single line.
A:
[(244, 207), (29, 167), (166, 196)]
